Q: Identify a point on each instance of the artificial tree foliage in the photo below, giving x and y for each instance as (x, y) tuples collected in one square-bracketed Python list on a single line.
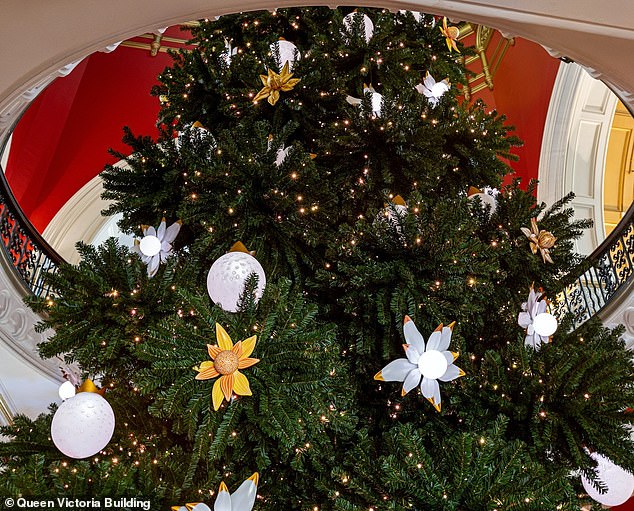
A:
[(344, 267)]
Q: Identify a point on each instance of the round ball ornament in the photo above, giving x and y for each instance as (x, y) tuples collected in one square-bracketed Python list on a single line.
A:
[(619, 483), (545, 324), (150, 245), (284, 51), (366, 24), (82, 425), (228, 275)]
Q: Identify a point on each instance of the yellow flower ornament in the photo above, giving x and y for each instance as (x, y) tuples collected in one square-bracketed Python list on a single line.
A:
[(226, 360), (274, 83)]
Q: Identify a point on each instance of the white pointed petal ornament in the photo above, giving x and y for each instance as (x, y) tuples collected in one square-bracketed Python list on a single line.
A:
[(243, 498), (223, 501), (413, 336), (155, 246), (411, 381), (539, 324), (396, 370), (431, 364), (376, 100), (432, 89)]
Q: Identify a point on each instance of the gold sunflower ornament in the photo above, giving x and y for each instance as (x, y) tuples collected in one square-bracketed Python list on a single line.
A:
[(226, 360), (274, 83), (540, 240)]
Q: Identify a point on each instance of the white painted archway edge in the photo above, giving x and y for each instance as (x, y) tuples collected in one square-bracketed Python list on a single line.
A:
[(40, 38), (574, 147), (80, 219)]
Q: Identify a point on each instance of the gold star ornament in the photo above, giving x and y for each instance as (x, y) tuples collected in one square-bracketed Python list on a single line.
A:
[(274, 83), (540, 240), (226, 360)]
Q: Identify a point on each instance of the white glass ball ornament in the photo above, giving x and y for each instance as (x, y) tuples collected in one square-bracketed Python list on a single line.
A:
[(368, 27), (82, 425), (432, 364), (619, 483), (227, 277), (66, 390), (285, 51), (150, 246), (545, 324)]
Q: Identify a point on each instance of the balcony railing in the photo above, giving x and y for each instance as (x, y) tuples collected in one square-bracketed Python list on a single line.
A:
[(606, 271), (28, 253)]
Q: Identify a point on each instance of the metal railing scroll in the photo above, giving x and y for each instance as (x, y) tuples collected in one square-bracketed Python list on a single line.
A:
[(27, 252), (608, 269)]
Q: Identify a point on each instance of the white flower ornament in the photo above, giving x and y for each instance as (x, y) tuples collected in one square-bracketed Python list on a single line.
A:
[(432, 89), (539, 324), (243, 499), (156, 245), (429, 363)]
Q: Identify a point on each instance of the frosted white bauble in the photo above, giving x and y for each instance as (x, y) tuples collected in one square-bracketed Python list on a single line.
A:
[(619, 483), (82, 425), (285, 51), (150, 246), (66, 390), (432, 364), (545, 324), (368, 26), (486, 199), (227, 277)]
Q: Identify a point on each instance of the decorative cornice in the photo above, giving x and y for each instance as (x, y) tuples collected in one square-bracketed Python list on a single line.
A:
[(17, 323)]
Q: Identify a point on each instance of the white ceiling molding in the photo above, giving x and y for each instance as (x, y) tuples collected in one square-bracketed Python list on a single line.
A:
[(592, 35), (574, 147)]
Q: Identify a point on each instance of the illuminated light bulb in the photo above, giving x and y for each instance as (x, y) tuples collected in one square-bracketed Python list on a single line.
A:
[(66, 390), (150, 246), (432, 364), (545, 324)]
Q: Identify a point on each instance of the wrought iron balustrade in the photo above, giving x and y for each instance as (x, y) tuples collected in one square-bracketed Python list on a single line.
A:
[(609, 268), (28, 253)]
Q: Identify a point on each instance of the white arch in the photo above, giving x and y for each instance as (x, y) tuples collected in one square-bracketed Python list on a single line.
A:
[(574, 147)]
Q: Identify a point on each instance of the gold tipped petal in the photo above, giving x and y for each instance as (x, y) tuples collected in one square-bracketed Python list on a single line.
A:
[(255, 478), (379, 376), (473, 190), (223, 487), (407, 319), (403, 392), (461, 372), (455, 354), (439, 328), (451, 325)]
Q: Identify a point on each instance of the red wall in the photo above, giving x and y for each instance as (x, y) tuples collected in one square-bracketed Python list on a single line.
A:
[(63, 138)]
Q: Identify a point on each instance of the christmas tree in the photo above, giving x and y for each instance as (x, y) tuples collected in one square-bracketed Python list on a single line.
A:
[(336, 146)]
